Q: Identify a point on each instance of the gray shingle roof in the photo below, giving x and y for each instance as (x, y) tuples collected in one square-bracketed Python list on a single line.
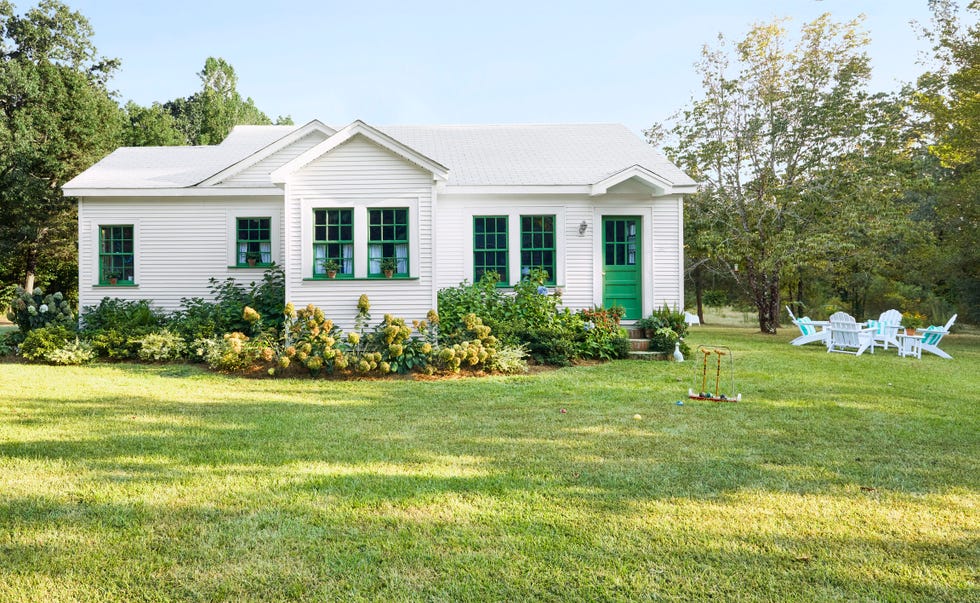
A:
[(479, 155)]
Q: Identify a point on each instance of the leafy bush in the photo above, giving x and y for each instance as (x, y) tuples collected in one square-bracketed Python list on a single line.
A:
[(483, 299), (715, 298), (42, 341), (195, 320), (669, 328), (74, 352), (7, 344), (161, 346), (121, 315), (267, 297), (312, 341), (509, 360), (33, 310), (603, 338), (115, 344), (234, 352)]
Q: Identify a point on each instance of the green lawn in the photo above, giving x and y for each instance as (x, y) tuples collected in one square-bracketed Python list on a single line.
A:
[(835, 479)]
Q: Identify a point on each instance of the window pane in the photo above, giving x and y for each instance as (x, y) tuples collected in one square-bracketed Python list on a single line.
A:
[(332, 235), (538, 244)]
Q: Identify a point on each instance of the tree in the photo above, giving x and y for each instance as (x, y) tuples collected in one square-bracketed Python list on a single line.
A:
[(56, 119), (150, 126), (207, 117), (949, 96), (757, 140)]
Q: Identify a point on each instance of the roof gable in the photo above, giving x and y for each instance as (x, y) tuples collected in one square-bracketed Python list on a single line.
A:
[(268, 150), (359, 128)]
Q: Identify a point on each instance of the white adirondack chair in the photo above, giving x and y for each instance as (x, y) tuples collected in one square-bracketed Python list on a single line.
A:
[(886, 328), (809, 332), (848, 337), (932, 335)]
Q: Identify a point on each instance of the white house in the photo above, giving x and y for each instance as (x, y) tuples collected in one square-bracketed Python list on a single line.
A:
[(594, 205)]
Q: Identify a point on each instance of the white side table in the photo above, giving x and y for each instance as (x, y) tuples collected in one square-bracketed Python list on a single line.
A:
[(910, 345)]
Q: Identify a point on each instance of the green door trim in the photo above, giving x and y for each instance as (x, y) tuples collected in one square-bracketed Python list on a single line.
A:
[(622, 274)]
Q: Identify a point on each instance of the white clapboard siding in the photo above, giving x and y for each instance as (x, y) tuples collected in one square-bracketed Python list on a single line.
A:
[(179, 244), (360, 174), (258, 173), (668, 262), (579, 256)]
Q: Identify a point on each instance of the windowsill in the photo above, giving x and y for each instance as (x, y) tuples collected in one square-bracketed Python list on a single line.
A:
[(368, 278), (247, 267), (107, 285)]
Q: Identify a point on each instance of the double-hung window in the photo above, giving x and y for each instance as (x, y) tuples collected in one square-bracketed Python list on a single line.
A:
[(116, 255), (490, 247), (333, 242), (388, 241), (254, 242), (538, 245)]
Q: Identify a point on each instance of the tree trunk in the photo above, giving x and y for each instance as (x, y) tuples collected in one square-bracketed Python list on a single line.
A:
[(29, 281), (699, 292), (765, 294)]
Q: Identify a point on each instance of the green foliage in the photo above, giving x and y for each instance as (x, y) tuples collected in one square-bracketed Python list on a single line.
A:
[(196, 319), (117, 344), (235, 352), (509, 360), (32, 310), (121, 315), (150, 126), (43, 341), (267, 297), (73, 353), (603, 338), (161, 346), (56, 118), (483, 299), (668, 327), (715, 298), (312, 341)]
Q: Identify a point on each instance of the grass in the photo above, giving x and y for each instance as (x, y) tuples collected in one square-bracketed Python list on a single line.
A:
[(837, 478)]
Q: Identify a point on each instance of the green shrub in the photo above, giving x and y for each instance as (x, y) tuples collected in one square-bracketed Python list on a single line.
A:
[(195, 320), (74, 352), (602, 337), (161, 346), (483, 299), (41, 341), (669, 327), (235, 352), (267, 297), (115, 344), (121, 315), (33, 310), (509, 360), (715, 298)]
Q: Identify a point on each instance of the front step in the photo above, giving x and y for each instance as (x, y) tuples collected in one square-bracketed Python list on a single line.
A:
[(648, 355)]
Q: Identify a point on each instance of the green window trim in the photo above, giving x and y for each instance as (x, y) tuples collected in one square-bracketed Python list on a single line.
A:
[(490, 248), (538, 245), (388, 237), (253, 238), (116, 254), (333, 240)]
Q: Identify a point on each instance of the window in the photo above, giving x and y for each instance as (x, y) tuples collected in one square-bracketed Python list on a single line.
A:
[(387, 240), (333, 242), (254, 242), (116, 255), (538, 245), (490, 247)]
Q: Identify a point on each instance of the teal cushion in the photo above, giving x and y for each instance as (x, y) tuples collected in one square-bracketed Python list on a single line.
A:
[(932, 335), (805, 327)]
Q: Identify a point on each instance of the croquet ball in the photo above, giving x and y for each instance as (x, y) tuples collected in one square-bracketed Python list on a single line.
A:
[(680, 403), (563, 411), (637, 417), (723, 397)]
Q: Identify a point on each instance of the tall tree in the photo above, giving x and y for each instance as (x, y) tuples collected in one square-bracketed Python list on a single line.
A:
[(207, 117), (756, 140), (949, 95), (150, 126), (56, 119)]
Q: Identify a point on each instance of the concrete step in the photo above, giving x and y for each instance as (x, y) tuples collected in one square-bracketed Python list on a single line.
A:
[(647, 355), (637, 333)]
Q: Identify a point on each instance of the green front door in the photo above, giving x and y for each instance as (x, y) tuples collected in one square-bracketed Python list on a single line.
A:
[(621, 282)]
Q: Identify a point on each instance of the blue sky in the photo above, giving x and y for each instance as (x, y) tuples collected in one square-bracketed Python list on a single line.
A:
[(461, 62)]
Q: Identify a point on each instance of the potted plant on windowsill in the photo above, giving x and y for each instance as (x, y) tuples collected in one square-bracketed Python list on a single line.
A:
[(331, 267), (113, 277), (912, 321), (388, 266), (253, 258)]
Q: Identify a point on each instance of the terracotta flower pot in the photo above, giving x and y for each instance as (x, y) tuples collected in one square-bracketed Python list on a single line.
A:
[(389, 273), (331, 274)]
